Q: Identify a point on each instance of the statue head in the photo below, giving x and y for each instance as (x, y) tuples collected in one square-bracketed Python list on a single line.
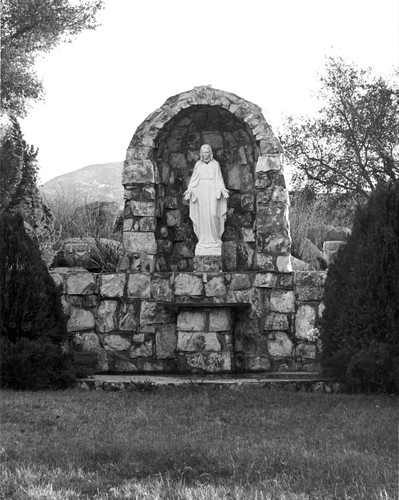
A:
[(206, 154)]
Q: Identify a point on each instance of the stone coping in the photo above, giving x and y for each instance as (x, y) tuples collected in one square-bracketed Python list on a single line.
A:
[(204, 305), (292, 381), (254, 377)]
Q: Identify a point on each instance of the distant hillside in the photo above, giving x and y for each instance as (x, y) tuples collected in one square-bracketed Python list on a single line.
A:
[(88, 184)]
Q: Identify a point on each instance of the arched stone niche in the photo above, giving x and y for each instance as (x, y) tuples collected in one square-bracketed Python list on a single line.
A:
[(158, 234)]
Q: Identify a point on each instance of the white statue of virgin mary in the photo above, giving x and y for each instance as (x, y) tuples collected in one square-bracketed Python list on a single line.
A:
[(208, 203)]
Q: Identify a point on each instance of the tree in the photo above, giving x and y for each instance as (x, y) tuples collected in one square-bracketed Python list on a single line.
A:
[(18, 185), (30, 28), (32, 324), (352, 143), (360, 324)]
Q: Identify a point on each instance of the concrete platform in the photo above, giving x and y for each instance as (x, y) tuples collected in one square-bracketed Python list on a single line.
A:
[(296, 381)]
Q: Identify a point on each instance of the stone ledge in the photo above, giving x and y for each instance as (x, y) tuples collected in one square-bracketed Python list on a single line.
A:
[(203, 305), (292, 382)]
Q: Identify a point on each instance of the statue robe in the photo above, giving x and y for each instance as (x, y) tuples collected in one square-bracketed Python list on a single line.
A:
[(208, 207)]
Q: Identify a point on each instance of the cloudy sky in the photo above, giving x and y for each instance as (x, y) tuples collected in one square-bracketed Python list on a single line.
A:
[(103, 85)]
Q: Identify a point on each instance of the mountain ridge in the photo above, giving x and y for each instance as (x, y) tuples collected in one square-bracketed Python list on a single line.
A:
[(96, 182)]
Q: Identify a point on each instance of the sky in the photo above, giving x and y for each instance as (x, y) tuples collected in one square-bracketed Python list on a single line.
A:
[(103, 85)]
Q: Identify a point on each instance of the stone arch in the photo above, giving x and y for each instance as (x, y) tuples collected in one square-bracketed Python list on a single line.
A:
[(159, 162)]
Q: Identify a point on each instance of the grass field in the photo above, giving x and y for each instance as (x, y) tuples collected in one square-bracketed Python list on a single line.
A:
[(198, 443)]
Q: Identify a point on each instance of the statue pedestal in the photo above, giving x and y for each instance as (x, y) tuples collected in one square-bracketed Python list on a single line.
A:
[(208, 263)]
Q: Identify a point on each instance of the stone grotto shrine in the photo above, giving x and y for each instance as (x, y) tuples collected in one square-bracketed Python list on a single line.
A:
[(170, 310)]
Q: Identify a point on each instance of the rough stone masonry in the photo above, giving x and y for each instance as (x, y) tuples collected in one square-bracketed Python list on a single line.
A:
[(166, 310)]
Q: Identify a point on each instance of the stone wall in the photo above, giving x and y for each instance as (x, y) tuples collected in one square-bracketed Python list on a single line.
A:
[(193, 322), (245, 311), (157, 233)]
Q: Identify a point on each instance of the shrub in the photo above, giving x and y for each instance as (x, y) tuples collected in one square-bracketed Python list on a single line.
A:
[(31, 317), (34, 365), (360, 326), (94, 223)]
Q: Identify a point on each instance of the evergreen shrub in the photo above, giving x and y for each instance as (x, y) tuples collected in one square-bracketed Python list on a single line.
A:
[(32, 324), (360, 326)]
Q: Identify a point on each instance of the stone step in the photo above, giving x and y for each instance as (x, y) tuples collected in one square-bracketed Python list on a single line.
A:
[(295, 381)]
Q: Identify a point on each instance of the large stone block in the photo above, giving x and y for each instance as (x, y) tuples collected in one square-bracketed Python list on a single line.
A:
[(148, 192), (220, 320), (124, 366), (214, 139), (139, 172), (269, 162), (80, 320), (284, 263), (252, 297), (233, 180), (282, 301), (229, 253), (142, 208), (166, 342), (140, 243), (106, 316), (305, 322), (276, 321), (240, 282), (178, 161), (112, 285), (280, 344), (87, 341), (310, 278), (275, 194), (188, 284), (162, 290), (153, 314), (256, 363), (143, 350), (147, 224), (128, 319), (89, 300), (247, 234), (309, 293), (248, 202), (210, 362), (191, 321), (139, 285), (171, 202), (272, 220), (245, 256), (265, 280), (274, 244), (173, 218), (306, 351), (265, 262), (208, 263), (198, 341), (115, 342), (81, 284), (270, 145), (215, 287)]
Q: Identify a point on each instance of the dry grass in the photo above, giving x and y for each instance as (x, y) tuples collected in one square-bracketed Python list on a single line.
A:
[(198, 443)]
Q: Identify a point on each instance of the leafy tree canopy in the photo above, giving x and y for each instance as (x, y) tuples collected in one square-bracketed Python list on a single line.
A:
[(353, 142), (29, 28)]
